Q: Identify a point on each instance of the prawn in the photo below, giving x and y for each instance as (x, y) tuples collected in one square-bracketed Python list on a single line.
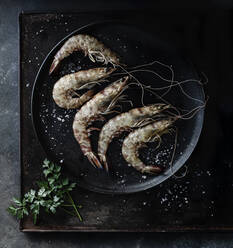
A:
[(137, 139), (90, 46), (136, 117), (64, 89), (102, 103)]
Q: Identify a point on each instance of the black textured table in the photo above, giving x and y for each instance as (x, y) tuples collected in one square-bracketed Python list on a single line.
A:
[(10, 171)]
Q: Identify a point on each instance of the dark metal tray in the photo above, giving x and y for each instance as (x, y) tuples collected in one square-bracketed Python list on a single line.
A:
[(179, 204)]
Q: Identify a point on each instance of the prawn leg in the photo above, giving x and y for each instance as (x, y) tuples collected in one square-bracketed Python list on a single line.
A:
[(90, 46), (125, 122), (92, 111), (65, 88), (136, 139)]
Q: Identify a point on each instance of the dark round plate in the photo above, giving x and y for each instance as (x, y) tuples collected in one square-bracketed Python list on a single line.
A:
[(53, 125)]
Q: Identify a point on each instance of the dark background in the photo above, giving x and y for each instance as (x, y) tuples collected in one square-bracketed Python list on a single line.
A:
[(219, 14)]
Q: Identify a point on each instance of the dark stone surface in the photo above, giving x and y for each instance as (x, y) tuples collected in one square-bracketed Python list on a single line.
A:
[(9, 149)]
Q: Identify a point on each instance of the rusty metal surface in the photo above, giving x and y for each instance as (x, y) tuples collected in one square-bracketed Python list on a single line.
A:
[(180, 204)]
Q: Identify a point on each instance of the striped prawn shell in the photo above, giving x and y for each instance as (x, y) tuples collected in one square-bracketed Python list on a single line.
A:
[(65, 87), (136, 139), (125, 122), (92, 111), (87, 44)]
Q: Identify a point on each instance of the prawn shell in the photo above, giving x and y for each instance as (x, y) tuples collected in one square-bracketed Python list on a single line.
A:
[(87, 44), (125, 122), (92, 111), (68, 84), (137, 139)]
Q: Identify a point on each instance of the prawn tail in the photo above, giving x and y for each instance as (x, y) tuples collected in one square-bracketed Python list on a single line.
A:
[(94, 160), (104, 161), (152, 169), (53, 66)]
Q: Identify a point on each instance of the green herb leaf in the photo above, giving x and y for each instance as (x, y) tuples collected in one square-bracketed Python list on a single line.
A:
[(51, 180), (51, 167), (17, 201), (71, 186), (42, 184), (53, 209), (12, 210), (25, 211), (20, 214), (46, 163), (55, 198), (52, 192), (56, 176), (65, 181), (46, 172), (57, 169), (30, 196), (42, 192)]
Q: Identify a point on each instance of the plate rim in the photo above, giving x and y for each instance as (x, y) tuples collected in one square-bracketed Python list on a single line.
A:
[(131, 189)]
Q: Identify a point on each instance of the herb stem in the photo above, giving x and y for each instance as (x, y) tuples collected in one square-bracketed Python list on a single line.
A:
[(51, 194), (68, 212), (74, 206)]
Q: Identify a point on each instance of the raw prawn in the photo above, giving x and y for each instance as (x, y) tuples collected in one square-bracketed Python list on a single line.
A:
[(90, 46), (137, 117), (101, 103), (64, 89), (137, 139)]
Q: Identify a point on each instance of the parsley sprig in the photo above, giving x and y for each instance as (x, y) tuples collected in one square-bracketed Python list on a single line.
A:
[(53, 193)]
